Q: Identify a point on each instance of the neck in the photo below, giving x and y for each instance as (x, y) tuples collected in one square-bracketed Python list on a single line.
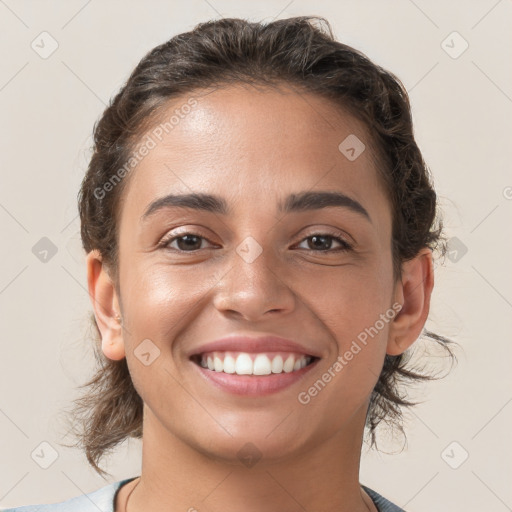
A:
[(176, 476)]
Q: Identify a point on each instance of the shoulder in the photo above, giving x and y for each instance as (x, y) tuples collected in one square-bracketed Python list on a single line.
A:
[(382, 503), (101, 500)]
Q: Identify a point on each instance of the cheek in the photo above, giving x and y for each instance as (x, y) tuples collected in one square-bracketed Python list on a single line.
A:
[(354, 307), (352, 300), (164, 302), (157, 301), (358, 316)]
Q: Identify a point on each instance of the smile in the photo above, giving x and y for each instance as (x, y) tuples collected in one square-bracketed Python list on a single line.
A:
[(253, 374), (243, 363)]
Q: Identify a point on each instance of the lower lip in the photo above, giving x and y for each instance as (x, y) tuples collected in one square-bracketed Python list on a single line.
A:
[(253, 385)]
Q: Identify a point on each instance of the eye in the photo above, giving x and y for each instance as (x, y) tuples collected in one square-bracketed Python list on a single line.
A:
[(187, 242), (322, 242), (319, 242)]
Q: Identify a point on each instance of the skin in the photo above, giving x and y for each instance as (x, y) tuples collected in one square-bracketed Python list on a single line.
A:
[(254, 147)]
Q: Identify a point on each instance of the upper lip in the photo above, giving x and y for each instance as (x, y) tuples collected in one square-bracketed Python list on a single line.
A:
[(253, 344)]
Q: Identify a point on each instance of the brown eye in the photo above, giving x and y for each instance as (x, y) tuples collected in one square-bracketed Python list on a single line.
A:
[(323, 243), (188, 242)]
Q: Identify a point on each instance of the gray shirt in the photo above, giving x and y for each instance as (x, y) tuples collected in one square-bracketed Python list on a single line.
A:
[(103, 500)]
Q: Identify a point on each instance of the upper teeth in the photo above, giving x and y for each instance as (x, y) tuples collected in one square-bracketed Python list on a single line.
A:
[(253, 364)]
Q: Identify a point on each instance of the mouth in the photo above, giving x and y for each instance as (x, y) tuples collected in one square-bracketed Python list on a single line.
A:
[(246, 373), (245, 363)]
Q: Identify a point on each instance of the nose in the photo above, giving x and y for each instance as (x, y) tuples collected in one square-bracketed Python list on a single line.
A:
[(251, 289)]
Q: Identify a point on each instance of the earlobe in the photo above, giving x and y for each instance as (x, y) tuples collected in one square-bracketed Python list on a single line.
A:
[(106, 306), (413, 291), (395, 347)]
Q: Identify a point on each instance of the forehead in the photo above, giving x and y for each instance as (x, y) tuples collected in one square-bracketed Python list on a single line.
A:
[(241, 141)]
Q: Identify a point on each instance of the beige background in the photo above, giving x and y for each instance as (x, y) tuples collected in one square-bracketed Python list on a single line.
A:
[(462, 111)]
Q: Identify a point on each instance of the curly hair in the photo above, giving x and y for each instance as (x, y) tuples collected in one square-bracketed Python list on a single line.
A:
[(302, 53)]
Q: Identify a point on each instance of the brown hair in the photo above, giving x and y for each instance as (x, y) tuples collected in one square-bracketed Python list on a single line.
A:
[(302, 54)]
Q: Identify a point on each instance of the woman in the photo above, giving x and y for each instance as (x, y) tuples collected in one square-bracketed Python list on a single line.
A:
[(259, 226)]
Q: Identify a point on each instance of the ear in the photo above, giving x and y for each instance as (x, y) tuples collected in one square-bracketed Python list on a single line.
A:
[(413, 291), (106, 306)]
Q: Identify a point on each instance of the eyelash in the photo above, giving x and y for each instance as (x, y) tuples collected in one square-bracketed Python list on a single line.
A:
[(345, 246)]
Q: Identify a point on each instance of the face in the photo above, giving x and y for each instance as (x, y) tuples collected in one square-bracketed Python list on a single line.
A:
[(317, 273)]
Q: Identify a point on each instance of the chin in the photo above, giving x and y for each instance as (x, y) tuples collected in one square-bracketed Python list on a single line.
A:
[(251, 446)]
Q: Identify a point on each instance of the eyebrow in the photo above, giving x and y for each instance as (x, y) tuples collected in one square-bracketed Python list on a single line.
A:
[(300, 202)]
